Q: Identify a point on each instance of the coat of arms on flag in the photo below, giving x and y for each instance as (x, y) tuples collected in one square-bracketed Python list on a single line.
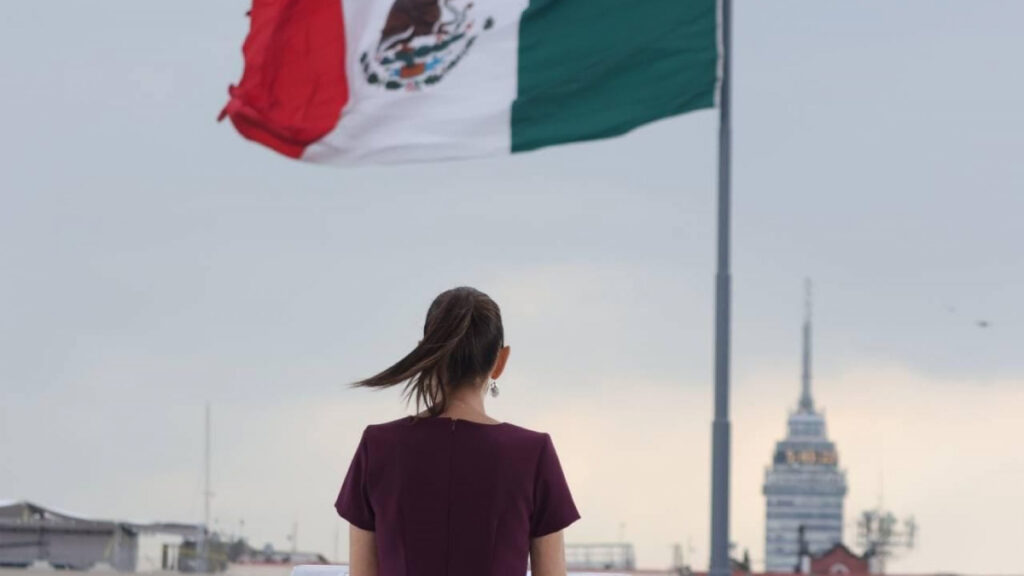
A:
[(421, 41)]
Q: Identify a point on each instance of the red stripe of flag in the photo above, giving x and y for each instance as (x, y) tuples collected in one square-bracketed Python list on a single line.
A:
[(294, 86)]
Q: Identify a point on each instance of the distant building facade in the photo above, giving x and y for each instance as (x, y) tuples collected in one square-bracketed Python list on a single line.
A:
[(31, 534), (804, 486)]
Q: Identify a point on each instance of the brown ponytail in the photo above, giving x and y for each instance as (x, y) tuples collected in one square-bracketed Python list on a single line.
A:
[(461, 339)]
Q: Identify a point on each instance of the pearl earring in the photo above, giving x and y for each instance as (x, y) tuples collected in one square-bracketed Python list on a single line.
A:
[(493, 387)]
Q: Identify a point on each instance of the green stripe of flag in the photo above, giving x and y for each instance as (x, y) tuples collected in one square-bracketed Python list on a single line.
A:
[(598, 68)]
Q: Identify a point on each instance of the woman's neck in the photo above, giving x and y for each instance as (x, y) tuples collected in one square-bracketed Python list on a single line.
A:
[(468, 404)]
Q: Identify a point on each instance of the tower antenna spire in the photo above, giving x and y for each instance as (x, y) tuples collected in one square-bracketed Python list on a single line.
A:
[(806, 400)]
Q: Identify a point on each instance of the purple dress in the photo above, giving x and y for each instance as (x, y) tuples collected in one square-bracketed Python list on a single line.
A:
[(453, 497)]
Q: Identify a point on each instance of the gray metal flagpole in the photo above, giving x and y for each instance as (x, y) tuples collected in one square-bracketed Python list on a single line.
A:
[(723, 295)]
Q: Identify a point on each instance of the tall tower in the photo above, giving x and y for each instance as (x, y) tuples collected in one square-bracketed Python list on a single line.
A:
[(804, 486)]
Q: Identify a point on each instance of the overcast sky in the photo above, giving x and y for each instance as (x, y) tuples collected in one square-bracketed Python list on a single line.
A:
[(152, 260)]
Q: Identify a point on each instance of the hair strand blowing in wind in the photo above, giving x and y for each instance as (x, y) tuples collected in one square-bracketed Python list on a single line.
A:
[(462, 336)]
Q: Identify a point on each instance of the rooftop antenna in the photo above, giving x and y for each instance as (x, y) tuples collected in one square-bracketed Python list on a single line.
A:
[(881, 476), (806, 401), (884, 537), (206, 467), (202, 548)]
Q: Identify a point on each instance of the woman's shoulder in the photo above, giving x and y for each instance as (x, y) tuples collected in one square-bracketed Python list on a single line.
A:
[(387, 428), (404, 420), (525, 433), (530, 443)]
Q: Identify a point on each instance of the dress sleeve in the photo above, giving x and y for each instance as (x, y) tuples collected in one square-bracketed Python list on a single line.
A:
[(353, 503), (553, 507)]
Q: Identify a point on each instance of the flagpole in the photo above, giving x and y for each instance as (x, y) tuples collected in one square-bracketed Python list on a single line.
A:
[(720, 428)]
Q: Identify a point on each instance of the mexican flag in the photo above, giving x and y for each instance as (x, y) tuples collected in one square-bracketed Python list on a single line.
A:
[(353, 81)]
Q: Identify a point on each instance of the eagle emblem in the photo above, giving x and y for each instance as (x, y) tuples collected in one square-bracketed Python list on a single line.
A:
[(422, 41)]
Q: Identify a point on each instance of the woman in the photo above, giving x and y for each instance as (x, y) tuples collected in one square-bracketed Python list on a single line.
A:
[(452, 491)]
